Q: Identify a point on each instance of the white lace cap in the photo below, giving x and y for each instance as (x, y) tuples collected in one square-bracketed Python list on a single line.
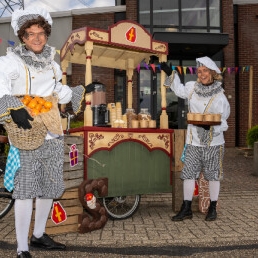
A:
[(206, 61), (19, 17)]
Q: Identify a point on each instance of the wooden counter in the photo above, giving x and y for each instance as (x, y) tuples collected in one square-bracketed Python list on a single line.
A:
[(135, 161)]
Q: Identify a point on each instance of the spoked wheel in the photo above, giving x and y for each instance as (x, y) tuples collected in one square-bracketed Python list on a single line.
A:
[(121, 207), (6, 203)]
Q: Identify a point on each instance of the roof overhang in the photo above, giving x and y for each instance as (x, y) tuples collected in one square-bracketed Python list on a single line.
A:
[(192, 45), (125, 41)]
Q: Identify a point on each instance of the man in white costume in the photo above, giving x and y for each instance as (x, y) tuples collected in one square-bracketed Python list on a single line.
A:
[(30, 69), (204, 150)]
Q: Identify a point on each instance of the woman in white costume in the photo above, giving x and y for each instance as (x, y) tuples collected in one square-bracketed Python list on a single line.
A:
[(204, 143), (30, 69)]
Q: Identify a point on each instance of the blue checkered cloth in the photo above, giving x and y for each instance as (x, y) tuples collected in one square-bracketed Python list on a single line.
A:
[(12, 165)]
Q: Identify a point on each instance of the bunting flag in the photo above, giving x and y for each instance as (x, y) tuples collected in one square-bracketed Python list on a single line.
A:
[(153, 67), (192, 70), (179, 69), (184, 69), (12, 43), (138, 68), (146, 66)]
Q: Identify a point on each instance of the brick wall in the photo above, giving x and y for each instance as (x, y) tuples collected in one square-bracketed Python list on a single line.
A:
[(104, 75), (131, 14), (247, 55), (229, 61)]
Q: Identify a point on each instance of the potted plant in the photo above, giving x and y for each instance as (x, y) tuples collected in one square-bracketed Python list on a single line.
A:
[(252, 136)]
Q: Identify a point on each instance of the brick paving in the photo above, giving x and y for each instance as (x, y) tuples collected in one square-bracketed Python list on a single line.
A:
[(151, 233)]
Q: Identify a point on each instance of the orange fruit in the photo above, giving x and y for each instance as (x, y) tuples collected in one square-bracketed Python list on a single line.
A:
[(36, 99), (44, 110), (25, 101), (35, 111), (48, 104), (38, 107), (32, 104), (27, 97), (41, 101)]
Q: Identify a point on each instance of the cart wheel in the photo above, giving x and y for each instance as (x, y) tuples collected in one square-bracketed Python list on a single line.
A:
[(121, 207)]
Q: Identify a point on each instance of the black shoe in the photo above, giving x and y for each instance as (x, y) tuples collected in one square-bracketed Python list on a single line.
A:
[(46, 242), (24, 254), (212, 213), (185, 212)]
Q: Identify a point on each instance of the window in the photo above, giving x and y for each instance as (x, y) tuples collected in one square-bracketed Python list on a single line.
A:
[(180, 15), (194, 13)]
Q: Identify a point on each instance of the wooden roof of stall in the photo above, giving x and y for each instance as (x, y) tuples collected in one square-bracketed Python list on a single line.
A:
[(112, 48)]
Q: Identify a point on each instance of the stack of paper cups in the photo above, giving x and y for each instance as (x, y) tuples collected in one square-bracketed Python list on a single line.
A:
[(124, 118), (118, 111), (112, 113)]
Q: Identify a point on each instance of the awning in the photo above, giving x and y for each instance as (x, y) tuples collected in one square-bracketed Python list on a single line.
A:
[(192, 45)]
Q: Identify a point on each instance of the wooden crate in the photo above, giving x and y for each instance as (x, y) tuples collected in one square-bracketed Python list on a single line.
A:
[(73, 208), (73, 176)]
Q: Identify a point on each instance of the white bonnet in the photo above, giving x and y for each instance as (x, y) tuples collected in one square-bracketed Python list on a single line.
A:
[(206, 61), (19, 17)]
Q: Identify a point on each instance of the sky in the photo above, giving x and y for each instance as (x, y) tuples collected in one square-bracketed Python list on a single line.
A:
[(57, 5)]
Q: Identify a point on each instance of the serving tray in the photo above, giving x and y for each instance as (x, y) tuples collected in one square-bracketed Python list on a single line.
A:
[(203, 122)]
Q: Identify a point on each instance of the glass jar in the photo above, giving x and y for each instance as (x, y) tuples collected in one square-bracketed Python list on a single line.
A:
[(98, 95), (130, 115), (144, 114)]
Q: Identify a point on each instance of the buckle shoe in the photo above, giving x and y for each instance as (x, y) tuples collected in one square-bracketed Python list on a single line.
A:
[(24, 254), (46, 242)]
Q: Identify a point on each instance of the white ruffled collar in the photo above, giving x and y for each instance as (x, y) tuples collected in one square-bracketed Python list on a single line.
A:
[(208, 91), (38, 62)]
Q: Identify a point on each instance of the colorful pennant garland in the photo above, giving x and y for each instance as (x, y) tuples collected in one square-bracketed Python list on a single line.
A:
[(180, 69), (192, 69)]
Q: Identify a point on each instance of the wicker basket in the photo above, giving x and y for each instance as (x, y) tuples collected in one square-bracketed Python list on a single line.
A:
[(33, 138)]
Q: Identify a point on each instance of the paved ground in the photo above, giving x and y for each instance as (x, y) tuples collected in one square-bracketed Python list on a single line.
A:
[(151, 233)]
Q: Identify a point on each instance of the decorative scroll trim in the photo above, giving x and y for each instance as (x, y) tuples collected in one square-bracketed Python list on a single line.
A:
[(165, 139), (93, 138), (116, 138), (145, 139)]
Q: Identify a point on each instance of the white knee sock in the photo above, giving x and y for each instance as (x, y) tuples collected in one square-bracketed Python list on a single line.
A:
[(43, 207), (188, 185), (23, 211), (214, 188)]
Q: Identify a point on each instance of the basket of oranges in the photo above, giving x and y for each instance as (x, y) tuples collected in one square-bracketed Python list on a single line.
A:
[(36, 105), (46, 117)]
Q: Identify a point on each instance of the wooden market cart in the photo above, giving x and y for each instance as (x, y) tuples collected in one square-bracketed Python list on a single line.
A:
[(135, 161)]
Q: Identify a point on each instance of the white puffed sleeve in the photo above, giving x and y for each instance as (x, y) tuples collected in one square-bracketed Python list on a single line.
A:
[(181, 90), (223, 108), (8, 71)]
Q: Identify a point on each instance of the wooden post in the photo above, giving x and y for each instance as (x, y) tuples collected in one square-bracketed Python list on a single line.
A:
[(129, 73), (88, 116), (163, 116), (250, 97)]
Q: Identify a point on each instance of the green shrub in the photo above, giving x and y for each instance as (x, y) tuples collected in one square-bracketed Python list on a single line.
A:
[(252, 136), (76, 124)]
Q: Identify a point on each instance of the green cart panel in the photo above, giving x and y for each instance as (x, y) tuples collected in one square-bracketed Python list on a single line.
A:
[(131, 169)]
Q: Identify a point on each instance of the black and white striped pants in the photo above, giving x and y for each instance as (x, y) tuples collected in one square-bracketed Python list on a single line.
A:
[(207, 160)]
